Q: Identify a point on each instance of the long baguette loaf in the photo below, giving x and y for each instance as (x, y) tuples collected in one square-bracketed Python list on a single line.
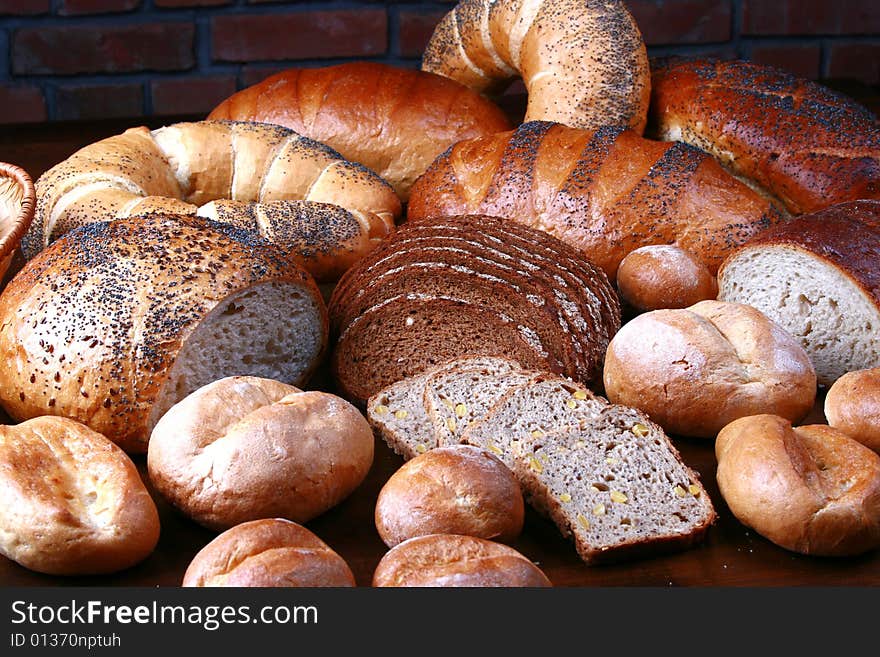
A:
[(185, 165), (800, 142), (583, 62), (394, 121), (606, 192)]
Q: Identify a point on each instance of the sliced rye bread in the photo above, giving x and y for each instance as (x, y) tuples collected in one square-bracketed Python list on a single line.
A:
[(456, 398), (409, 335), (616, 485), (398, 412)]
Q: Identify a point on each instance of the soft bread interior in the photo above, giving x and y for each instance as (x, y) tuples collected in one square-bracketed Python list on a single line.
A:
[(272, 330), (834, 320), (11, 198)]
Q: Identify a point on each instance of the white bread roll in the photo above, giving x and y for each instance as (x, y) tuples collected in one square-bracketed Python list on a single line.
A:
[(852, 404)]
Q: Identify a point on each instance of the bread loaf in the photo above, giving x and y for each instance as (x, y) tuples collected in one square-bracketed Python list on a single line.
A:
[(468, 286), (183, 168), (818, 277), (696, 369), (116, 321), (663, 276), (852, 404), (459, 489), (244, 448), (583, 62), (392, 120), (605, 192), (794, 139), (71, 502), (809, 489), (451, 560), (268, 553), (17, 198)]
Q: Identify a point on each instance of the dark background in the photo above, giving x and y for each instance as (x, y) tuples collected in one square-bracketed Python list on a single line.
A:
[(63, 60)]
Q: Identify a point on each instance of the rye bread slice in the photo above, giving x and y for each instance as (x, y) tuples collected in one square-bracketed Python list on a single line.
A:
[(456, 398), (409, 335), (398, 412), (616, 485)]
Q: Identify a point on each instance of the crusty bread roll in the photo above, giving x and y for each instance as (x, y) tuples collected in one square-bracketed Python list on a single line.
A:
[(817, 276), (268, 553), (265, 177), (458, 489), (605, 192), (694, 370), (116, 321), (71, 502), (663, 276), (452, 560), (852, 404), (805, 145), (809, 489), (583, 62), (244, 448), (392, 120)]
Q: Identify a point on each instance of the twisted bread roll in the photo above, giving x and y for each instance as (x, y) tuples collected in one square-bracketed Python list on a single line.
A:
[(583, 62), (402, 119), (177, 168), (800, 142), (606, 192)]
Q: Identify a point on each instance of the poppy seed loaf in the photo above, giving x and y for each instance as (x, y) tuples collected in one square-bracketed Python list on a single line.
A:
[(469, 286), (116, 321)]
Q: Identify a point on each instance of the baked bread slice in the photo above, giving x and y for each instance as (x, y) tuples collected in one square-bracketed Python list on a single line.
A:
[(398, 411), (616, 485)]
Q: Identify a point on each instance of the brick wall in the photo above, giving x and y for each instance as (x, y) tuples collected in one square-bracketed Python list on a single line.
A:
[(87, 59)]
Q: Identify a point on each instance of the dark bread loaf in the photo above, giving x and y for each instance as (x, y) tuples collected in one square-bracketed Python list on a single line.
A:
[(469, 286), (605, 193), (801, 142), (394, 121), (817, 276)]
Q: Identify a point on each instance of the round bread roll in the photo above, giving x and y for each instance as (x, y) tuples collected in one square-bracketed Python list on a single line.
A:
[(244, 448), (268, 553), (460, 489), (664, 276), (116, 321), (452, 560), (695, 370), (71, 502), (852, 405), (809, 489)]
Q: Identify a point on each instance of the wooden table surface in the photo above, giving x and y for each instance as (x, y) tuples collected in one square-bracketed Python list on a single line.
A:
[(731, 556)]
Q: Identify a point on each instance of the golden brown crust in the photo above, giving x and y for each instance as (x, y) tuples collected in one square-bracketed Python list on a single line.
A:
[(451, 490), (852, 405), (606, 192), (450, 560), (808, 489), (697, 369), (583, 62), (71, 502), (90, 328), (400, 121), (244, 448), (664, 276), (808, 146), (268, 553)]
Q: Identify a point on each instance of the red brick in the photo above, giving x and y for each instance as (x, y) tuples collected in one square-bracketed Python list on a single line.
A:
[(176, 4), (299, 35), (415, 31), (857, 61), (682, 21), (24, 7), (194, 96), (65, 50), (802, 60), (105, 101), (798, 17), (22, 105), (78, 7)]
